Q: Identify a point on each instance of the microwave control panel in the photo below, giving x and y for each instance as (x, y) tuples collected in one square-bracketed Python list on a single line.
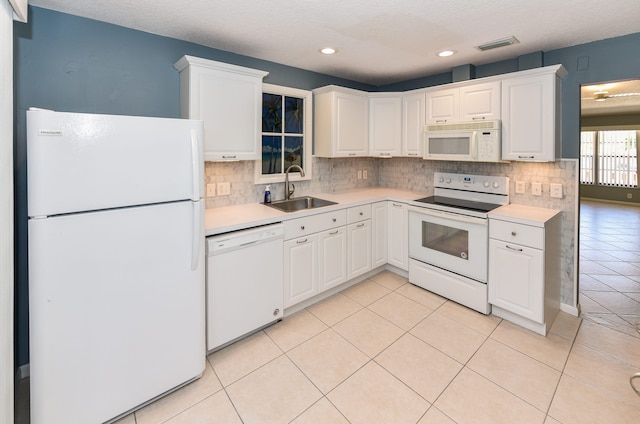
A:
[(488, 146)]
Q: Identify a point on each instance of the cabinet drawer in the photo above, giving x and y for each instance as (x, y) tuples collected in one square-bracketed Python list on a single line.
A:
[(313, 224), (526, 235), (358, 213)]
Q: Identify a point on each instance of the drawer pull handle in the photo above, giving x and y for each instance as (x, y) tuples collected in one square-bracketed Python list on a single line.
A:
[(302, 241), (514, 248), (333, 232), (334, 220), (513, 233), (360, 225), (397, 205)]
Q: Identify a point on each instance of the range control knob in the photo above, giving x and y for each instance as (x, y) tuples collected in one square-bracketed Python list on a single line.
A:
[(440, 180), (486, 183), (448, 180), (496, 184)]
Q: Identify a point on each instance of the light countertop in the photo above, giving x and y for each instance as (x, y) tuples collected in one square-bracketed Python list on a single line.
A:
[(238, 217), (529, 215)]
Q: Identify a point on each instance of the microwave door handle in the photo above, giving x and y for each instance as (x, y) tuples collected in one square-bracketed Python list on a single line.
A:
[(474, 145)]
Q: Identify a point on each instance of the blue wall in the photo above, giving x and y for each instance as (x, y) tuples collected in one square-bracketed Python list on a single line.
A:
[(68, 63)]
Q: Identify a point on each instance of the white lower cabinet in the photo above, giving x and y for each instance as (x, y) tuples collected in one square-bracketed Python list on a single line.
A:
[(359, 244), (300, 269), (358, 240), (379, 234), (332, 258), (524, 266), (398, 235)]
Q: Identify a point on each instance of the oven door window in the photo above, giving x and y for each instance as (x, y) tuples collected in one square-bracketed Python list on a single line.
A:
[(449, 240)]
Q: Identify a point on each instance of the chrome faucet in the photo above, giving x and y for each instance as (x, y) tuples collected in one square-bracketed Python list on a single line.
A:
[(287, 192)]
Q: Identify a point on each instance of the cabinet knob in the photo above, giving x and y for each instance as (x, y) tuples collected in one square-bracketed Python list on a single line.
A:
[(302, 227), (513, 233), (334, 220), (361, 213)]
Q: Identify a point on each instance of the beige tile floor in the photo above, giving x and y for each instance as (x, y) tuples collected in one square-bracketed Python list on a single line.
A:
[(610, 265), (386, 351)]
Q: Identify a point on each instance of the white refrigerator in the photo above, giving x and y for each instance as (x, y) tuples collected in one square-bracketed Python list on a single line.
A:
[(116, 262)]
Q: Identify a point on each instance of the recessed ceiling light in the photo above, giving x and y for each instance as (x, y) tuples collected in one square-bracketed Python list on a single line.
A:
[(328, 50), (447, 53)]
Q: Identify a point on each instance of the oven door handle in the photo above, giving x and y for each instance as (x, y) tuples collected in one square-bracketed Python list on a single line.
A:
[(448, 215)]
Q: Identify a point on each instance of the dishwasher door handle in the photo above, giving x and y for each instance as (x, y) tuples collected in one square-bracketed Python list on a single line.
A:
[(250, 243)]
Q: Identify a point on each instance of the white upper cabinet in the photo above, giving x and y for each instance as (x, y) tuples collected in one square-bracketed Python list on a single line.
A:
[(480, 102), (341, 124), (465, 103), (413, 119), (443, 106), (228, 99), (385, 125), (531, 115)]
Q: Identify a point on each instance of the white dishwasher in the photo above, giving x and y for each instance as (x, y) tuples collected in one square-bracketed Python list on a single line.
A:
[(244, 282)]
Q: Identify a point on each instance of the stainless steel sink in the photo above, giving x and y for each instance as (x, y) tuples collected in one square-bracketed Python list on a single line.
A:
[(299, 204)]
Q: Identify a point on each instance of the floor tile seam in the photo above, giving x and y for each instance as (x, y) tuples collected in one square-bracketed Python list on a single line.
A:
[(606, 354), (365, 353), (233, 405), (299, 343), (314, 404), (342, 319), (396, 325), (254, 370), (486, 377), (403, 383), (532, 357)]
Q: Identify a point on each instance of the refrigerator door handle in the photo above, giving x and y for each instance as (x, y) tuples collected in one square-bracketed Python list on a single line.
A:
[(198, 233), (197, 166)]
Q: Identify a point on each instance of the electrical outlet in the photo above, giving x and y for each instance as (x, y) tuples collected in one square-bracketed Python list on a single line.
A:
[(211, 190), (555, 191), (359, 174), (364, 174), (520, 187), (629, 196), (536, 189), (224, 189)]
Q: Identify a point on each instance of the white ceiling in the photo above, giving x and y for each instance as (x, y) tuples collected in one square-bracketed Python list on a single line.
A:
[(379, 41), (621, 97)]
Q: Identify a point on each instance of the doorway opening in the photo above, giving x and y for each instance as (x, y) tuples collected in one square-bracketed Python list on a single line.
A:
[(609, 279)]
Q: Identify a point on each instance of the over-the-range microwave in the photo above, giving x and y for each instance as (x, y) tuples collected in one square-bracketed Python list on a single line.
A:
[(477, 141)]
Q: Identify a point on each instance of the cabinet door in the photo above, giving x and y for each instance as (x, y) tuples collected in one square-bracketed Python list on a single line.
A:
[(443, 106), (359, 245), (351, 125), (480, 102), (385, 126), (332, 258), (516, 279), (413, 119), (528, 118), (300, 272), (229, 105), (398, 234), (379, 234)]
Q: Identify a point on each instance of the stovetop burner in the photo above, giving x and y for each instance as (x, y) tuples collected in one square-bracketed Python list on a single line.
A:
[(473, 195), (459, 203)]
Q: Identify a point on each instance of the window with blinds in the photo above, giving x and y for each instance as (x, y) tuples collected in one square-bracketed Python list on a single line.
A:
[(609, 158)]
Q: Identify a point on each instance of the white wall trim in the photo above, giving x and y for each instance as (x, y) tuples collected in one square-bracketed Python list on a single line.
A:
[(6, 215), (573, 310)]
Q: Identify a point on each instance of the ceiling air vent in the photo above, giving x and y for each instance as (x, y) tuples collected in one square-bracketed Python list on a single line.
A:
[(503, 42)]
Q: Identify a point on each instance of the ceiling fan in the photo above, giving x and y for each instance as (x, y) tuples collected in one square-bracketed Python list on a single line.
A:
[(602, 92)]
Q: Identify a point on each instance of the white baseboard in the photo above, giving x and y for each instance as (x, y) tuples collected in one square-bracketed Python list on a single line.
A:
[(573, 310)]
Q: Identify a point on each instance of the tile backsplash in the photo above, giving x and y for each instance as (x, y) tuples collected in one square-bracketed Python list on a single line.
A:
[(339, 174)]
